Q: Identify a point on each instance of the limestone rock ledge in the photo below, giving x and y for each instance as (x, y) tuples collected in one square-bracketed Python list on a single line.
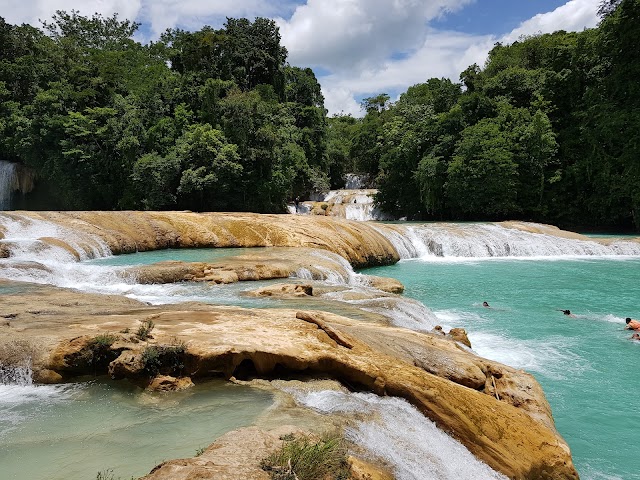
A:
[(499, 413), (134, 231)]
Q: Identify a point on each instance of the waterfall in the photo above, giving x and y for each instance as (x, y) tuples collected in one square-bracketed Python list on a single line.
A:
[(352, 204), (16, 374), (392, 430), (354, 181), (42, 252), (477, 241), (8, 183)]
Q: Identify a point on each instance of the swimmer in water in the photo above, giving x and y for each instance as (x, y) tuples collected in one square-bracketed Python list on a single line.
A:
[(486, 304), (568, 313), (632, 324)]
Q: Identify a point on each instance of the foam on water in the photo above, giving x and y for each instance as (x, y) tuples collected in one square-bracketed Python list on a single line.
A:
[(392, 430), (552, 357), (484, 241), (17, 390), (401, 311)]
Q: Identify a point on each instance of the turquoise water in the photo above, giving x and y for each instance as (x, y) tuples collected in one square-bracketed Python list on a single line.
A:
[(588, 366), (183, 254), (72, 432)]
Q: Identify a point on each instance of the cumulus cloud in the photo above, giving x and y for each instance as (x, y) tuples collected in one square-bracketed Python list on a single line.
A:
[(441, 54), (194, 14), (346, 34), (32, 11), (575, 15), (361, 47), (158, 15)]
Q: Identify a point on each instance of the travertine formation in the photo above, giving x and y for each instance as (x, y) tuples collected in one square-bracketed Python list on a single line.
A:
[(499, 413)]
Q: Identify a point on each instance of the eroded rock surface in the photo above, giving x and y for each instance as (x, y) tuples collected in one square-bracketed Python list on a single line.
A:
[(499, 413)]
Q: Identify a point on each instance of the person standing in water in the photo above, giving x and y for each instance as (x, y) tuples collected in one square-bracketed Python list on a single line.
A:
[(297, 203), (632, 324)]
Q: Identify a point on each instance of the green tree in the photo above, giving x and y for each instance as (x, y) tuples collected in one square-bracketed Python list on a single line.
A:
[(482, 175)]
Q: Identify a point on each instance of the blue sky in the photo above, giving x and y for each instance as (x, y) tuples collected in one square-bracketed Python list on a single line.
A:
[(495, 16), (357, 48)]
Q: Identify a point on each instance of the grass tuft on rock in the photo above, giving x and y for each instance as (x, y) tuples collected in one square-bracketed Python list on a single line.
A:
[(303, 458), (145, 328), (166, 359)]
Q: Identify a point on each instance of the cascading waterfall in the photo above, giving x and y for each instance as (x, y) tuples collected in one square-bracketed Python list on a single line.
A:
[(46, 253), (392, 430), (21, 374), (433, 241), (352, 204), (8, 183)]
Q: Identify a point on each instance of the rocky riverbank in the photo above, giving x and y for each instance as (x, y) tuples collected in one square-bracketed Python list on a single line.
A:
[(500, 414)]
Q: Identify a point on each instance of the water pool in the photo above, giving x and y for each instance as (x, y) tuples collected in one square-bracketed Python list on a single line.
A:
[(587, 365)]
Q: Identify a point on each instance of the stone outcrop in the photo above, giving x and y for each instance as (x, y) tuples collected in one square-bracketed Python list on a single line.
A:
[(134, 231), (283, 290), (498, 413), (237, 455), (234, 456), (167, 383)]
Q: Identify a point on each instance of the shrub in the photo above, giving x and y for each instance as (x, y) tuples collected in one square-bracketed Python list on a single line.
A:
[(104, 340), (145, 328), (305, 459), (167, 359), (97, 353)]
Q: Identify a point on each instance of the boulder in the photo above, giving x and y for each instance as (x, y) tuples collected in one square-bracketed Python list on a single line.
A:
[(283, 290), (166, 383)]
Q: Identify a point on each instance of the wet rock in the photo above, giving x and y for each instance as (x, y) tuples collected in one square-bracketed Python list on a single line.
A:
[(460, 335), (283, 290), (389, 285), (166, 383)]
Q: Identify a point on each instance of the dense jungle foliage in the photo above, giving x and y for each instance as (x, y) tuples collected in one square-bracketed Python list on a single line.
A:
[(547, 130), (206, 120)]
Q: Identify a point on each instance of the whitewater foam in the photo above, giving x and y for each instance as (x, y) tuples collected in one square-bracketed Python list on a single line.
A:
[(434, 242), (552, 357), (392, 430)]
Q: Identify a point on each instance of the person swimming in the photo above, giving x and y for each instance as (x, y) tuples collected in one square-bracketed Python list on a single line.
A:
[(486, 304), (568, 313), (632, 324)]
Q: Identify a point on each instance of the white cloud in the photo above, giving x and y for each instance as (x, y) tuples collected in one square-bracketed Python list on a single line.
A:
[(194, 14), (441, 54), (347, 34), (575, 15), (31, 11), (366, 46)]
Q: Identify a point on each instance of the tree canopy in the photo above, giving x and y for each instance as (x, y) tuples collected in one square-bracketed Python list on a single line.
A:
[(216, 119)]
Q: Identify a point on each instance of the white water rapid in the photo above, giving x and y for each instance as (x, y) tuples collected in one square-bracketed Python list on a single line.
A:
[(481, 241), (8, 183), (352, 204), (392, 430)]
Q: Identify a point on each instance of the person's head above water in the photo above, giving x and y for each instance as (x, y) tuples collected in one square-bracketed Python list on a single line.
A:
[(566, 312), (628, 319), (485, 304)]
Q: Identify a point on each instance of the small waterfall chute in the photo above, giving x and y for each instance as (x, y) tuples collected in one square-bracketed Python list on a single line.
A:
[(8, 183)]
